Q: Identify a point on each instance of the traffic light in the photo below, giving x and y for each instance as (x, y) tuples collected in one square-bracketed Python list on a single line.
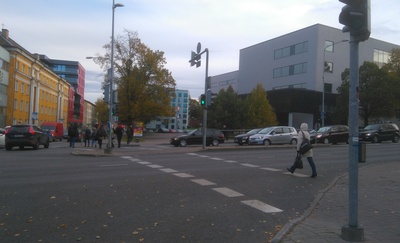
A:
[(202, 100), (208, 97), (356, 18), (106, 93)]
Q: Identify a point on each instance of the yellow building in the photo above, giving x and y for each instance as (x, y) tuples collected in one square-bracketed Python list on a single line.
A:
[(35, 93)]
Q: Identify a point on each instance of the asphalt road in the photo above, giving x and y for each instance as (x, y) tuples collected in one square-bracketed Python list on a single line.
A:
[(228, 195)]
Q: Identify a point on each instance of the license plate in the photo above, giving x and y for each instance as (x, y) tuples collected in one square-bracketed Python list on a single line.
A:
[(18, 136)]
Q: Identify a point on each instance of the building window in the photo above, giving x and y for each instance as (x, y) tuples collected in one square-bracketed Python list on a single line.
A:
[(328, 67), (15, 104), (21, 106), (291, 50), (381, 57), (27, 106), (16, 86), (22, 88), (329, 46), (290, 70)]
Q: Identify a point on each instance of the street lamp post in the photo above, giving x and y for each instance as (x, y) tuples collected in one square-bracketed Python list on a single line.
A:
[(110, 118), (323, 83)]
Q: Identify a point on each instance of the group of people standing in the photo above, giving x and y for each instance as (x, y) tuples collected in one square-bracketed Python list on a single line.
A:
[(93, 137)]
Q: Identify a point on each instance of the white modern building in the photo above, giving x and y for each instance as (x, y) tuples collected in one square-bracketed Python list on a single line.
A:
[(4, 72), (297, 68), (181, 107)]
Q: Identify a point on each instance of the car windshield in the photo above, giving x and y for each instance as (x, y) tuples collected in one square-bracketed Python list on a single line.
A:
[(372, 127), (324, 129), (265, 130), (19, 129), (254, 131)]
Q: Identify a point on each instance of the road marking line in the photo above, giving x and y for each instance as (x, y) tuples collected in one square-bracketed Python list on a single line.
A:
[(228, 192), (213, 158), (126, 157), (262, 206), (203, 182), (192, 154), (113, 165), (250, 165), (155, 166), (168, 170), (296, 174), (270, 169), (144, 163), (203, 156), (134, 160), (183, 175), (230, 161)]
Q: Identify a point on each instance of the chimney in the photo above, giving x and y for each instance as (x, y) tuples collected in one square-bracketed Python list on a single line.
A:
[(5, 33)]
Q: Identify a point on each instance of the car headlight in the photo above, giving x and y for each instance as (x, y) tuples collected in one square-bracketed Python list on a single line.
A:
[(318, 136)]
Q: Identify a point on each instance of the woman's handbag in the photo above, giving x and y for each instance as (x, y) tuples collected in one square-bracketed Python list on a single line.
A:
[(298, 162), (305, 145)]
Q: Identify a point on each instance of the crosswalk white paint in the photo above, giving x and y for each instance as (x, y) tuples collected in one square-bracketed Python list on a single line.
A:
[(270, 169), (250, 165), (262, 206), (168, 170), (144, 163), (228, 192), (203, 182), (155, 166), (183, 175)]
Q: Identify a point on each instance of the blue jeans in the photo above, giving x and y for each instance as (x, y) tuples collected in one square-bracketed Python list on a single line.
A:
[(72, 142), (312, 165)]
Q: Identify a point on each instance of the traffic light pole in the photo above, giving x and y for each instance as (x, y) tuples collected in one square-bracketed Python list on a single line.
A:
[(196, 60), (352, 231)]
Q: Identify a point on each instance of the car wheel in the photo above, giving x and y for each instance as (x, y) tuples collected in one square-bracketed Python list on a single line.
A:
[(326, 141), (215, 142), (266, 142), (183, 143), (374, 139), (47, 144), (395, 139), (293, 142), (8, 148)]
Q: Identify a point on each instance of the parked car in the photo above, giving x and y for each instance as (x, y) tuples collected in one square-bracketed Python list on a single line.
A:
[(275, 135), (244, 138), (313, 135), (2, 137), (377, 133), (213, 137), (56, 130), (333, 134), (26, 135)]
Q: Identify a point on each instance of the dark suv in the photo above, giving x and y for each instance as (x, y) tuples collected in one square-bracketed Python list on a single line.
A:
[(213, 137), (377, 133), (26, 135)]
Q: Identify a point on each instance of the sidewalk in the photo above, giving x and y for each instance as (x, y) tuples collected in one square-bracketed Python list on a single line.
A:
[(378, 209), (378, 203)]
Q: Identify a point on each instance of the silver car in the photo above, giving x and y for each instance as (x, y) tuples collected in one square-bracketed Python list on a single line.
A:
[(275, 135)]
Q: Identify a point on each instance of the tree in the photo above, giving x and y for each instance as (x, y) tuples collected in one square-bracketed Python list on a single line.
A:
[(393, 69), (375, 92), (259, 111), (341, 115), (144, 86), (195, 113), (226, 111), (101, 111)]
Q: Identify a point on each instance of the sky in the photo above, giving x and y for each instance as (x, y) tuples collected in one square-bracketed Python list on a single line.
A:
[(76, 29)]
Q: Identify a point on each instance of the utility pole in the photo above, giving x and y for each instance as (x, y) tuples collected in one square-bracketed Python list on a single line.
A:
[(355, 16), (196, 60)]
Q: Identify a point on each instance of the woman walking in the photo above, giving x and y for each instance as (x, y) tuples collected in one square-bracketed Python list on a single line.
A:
[(309, 154)]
